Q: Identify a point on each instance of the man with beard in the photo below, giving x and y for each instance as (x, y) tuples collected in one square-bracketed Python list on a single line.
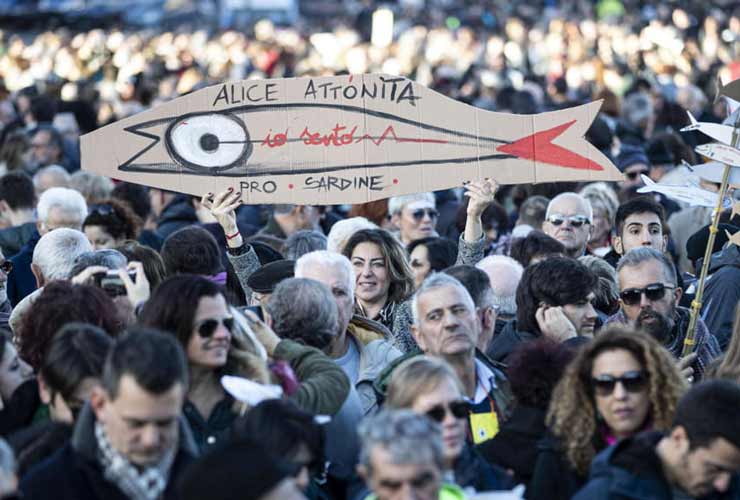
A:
[(649, 296)]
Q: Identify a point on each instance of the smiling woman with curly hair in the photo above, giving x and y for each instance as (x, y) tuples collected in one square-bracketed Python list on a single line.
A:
[(621, 383)]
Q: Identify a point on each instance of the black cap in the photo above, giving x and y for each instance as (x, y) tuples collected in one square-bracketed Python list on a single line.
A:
[(697, 243), (267, 277), (240, 470)]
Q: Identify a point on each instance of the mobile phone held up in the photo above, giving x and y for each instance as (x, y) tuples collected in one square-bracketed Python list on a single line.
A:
[(111, 283)]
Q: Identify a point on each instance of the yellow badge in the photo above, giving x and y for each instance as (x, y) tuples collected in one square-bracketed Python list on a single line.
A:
[(483, 426)]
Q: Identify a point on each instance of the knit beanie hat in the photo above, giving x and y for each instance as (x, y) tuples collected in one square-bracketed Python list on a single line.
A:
[(631, 155)]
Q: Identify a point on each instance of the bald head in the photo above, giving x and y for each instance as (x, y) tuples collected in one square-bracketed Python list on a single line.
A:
[(568, 220)]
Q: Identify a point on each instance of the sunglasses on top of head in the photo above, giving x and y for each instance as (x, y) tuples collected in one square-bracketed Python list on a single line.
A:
[(633, 382), (207, 327), (458, 409), (419, 214), (654, 291), (574, 220)]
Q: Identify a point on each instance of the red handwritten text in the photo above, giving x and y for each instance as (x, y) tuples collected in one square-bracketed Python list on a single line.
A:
[(389, 131), (334, 138), (276, 141)]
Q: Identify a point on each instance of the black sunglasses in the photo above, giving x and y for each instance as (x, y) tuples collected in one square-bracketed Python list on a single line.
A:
[(207, 327), (634, 175), (575, 220), (420, 213), (654, 291), (631, 381), (103, 209), (459, 409), (6, 266)]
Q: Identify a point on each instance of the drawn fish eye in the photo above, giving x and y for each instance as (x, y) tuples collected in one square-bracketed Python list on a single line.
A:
[(208, 142)]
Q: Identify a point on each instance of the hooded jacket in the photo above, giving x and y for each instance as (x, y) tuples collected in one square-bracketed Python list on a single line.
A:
[(722, 293), (375, 354), (177, 214), (632, 470)]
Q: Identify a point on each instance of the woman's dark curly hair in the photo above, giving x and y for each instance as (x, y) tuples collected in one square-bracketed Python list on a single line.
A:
[(573, 405), (116, 218), (534, 370), (191, 250), (60, 303)]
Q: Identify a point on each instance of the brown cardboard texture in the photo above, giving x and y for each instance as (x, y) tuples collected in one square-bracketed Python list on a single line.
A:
[(343, 139)]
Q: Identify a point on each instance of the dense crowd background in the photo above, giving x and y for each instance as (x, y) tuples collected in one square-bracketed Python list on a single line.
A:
[(461, 341)]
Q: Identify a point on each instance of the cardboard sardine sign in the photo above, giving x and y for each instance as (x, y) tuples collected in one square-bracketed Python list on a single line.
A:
[(342, 139)]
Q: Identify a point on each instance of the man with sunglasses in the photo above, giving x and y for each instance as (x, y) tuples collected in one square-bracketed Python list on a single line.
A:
[(568, 220), (649, 296), (698, 458), (414, 215)]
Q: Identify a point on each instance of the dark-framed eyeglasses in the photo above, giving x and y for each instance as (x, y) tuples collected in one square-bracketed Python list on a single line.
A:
[(419, 214), (634, 175), (653, 292), (458, 409), (6, 266), (102, 209), (634, 382), (574, 220), (207, 327)]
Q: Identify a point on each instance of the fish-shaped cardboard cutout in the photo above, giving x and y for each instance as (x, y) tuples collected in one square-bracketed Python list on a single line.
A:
[(342, 139), (717, 131), (731, 90), (719, 152), (714, 172), (691, 194), (735, 210), (733, 238)]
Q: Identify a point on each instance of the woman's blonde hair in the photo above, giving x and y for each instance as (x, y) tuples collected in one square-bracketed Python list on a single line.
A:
[(573, 405), (416, 376)]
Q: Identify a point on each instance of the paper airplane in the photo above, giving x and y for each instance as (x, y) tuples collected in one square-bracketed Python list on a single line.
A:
[(250, 392), (735, 210), (341, 139), (720, 153), (717, 131), (731, 90), (733, 238), (692, 195), (714, 171)]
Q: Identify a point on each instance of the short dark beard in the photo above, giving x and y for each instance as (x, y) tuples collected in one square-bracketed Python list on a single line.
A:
[(660, 328)]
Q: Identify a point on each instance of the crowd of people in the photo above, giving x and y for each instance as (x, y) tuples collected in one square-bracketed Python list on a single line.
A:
[(155, 345)]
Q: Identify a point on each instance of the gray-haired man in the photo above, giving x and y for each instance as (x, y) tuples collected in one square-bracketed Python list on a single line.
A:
[(649, 296), (402, 458)]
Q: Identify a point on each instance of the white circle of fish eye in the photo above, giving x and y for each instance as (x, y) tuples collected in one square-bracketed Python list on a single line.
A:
[(186, 136)]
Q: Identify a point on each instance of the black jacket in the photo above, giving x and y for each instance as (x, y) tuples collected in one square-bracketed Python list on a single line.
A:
[(21, 281), (515, 445), (553, 477), (13, 238), (504, 343), (74, 472), (177, 214), (722, 293), (632, 470), (19, 411)]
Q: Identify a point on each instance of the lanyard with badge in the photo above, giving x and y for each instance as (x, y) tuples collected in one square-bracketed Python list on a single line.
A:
[(484, 426)]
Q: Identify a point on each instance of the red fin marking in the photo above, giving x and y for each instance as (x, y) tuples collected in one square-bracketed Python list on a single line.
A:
[(539, 147)]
